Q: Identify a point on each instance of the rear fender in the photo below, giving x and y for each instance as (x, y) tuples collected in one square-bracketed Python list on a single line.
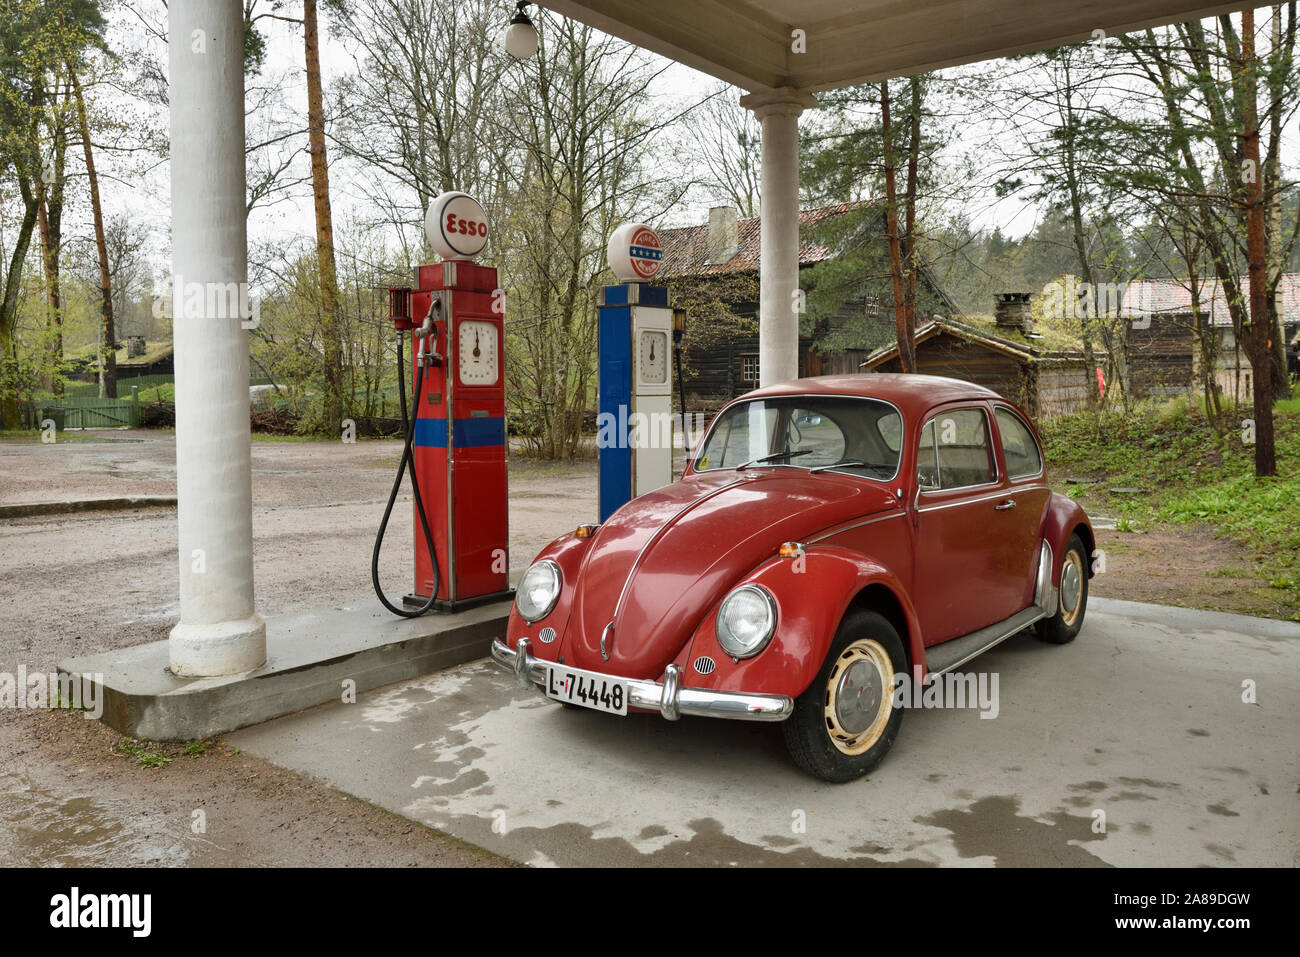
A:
[(812, 592), (1064, 516)]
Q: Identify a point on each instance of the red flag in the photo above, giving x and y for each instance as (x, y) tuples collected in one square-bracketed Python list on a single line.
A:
[(1101, 383)]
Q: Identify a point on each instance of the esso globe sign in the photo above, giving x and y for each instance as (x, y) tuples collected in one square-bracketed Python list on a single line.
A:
[(635, 253), (456, 226)]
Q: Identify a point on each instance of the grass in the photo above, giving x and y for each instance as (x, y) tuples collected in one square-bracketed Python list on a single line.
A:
[(1190, 475), (166, 392), (268, 437), (153, 754), (147, 754)]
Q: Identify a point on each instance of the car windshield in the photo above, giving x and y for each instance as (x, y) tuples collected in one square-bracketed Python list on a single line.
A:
[(858, 435)]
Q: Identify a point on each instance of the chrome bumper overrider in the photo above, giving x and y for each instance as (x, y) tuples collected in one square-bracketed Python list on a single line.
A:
[(668, 697)]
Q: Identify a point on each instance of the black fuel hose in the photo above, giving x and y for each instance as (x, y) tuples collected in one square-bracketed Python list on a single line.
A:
[(408, 427)]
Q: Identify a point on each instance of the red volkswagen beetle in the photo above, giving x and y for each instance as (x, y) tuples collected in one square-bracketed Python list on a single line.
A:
[(829, 535)]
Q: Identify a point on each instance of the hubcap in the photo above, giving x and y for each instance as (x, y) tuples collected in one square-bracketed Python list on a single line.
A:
[(858, 696), (1071, 587)]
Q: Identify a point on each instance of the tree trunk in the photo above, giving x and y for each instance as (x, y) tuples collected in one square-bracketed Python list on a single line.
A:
[(108, 345), (911, 256), (9, 306), (904, 331), (1257, 259), (331, 335), (53, 322), (1273, 180)]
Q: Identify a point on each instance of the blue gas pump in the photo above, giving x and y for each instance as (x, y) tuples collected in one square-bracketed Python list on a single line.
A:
[(634, 377)]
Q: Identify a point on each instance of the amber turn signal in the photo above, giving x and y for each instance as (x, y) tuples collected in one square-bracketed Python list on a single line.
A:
[(790, 550), (585, 531)]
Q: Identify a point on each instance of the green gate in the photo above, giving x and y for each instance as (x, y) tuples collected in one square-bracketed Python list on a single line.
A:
[(92, 412)]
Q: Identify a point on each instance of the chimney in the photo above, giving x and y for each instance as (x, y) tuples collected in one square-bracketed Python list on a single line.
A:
[(1011, 311), (724, 234), (135, 347)]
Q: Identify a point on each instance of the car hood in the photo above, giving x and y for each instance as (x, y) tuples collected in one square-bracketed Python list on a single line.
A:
[(662, 561)]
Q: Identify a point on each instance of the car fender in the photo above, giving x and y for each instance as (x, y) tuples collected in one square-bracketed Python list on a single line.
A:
[(1064, 515), (813, 592), (568, 551)]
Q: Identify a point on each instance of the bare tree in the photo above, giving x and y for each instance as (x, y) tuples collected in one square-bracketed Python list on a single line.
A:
[(421, 113), (726, 140)]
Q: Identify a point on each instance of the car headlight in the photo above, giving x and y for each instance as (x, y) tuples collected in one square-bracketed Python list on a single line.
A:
[(538, 590), (746, 621)]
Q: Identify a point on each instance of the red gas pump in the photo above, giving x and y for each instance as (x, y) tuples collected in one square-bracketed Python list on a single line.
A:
[(455, 438)]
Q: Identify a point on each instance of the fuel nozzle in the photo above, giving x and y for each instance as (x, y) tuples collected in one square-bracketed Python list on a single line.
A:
[(429, 326), (427, 331)]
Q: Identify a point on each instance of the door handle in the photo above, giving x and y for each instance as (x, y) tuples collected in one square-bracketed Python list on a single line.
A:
[(1004, 505)]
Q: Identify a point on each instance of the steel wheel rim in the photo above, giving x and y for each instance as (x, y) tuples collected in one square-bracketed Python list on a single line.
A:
[(859, 693), (1071, 588)]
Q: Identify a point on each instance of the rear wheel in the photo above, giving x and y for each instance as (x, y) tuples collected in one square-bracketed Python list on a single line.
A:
[(845, 722), (1072, 596)]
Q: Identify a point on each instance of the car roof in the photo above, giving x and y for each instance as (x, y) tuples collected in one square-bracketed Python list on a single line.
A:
[(911, 393)]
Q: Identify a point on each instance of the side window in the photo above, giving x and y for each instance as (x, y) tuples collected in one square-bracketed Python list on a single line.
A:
[(1018, 445), (927, 462), (961, 448)]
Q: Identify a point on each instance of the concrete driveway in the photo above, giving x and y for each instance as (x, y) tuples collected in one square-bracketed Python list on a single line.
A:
[(1138, 726)]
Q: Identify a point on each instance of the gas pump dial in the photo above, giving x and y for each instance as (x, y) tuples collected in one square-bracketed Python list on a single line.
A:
[(478, 353), (654, 357)]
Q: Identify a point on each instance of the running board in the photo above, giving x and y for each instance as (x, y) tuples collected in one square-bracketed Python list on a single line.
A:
[(957, 651)]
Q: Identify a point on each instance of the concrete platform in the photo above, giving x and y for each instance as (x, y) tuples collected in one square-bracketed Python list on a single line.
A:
[(309, 657), (1140, 722)]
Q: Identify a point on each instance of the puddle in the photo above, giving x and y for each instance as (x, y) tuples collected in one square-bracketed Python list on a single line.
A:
[(44, 829)]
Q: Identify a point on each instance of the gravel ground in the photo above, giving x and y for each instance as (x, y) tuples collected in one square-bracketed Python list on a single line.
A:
[(88, 582)]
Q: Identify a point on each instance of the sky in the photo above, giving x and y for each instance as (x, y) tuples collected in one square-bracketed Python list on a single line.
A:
[(142, 189)]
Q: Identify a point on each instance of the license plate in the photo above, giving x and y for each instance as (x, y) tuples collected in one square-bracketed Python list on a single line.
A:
[(586, 689)]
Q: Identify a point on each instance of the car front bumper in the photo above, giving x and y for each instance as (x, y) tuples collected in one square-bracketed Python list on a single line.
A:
[(668, 697)]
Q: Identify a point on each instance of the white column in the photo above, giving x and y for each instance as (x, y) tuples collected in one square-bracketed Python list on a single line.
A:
[(778, 321), (219, 632)]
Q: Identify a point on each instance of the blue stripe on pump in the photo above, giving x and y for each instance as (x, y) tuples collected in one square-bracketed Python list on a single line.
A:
[(467, 433)]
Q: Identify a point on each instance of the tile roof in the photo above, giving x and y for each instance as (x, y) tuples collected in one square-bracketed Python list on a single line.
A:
[(686, 248), (1146, 296)]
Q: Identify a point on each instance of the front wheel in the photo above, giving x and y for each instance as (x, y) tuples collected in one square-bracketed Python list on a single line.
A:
[(845, 722), (1072, 596)]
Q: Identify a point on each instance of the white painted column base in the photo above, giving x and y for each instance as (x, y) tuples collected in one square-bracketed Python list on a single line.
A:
[(223, 648), (778, 272)]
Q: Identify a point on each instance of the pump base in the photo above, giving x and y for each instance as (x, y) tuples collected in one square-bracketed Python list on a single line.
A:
[(460, 604)]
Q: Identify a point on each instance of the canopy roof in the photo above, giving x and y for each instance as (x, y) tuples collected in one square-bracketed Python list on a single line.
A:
[(749, 42)]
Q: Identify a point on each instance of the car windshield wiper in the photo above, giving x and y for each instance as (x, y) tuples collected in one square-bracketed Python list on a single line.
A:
[(787, 454), (852, 463)]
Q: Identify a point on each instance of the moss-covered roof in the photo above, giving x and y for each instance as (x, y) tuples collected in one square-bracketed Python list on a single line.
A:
[(1045, 344), (153, 351), (1045, 340)]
